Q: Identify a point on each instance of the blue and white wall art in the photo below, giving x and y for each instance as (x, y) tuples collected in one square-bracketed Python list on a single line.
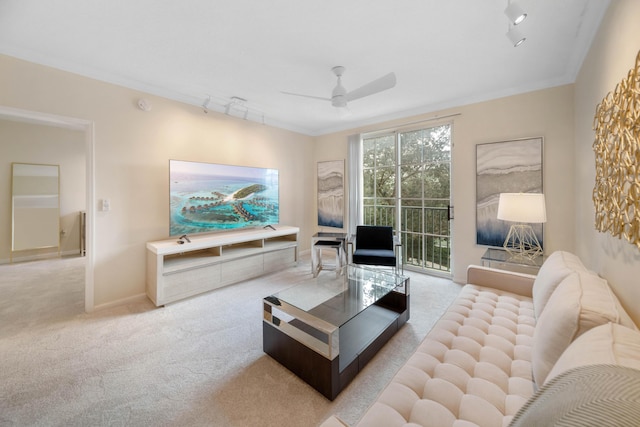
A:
[(505, 167), (331, 194)]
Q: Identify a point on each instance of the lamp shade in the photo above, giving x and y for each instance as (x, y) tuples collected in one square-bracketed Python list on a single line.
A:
[(522, 207)]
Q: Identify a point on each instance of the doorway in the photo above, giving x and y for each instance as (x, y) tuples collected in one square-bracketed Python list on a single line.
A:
[(87, 128)]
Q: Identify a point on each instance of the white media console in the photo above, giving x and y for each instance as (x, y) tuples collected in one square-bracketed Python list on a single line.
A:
[(176, 271)]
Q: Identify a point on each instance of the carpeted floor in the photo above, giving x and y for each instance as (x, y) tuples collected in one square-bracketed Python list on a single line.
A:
[(198, 362)]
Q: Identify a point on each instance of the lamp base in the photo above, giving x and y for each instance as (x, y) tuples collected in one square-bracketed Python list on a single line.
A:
[(521, 242)]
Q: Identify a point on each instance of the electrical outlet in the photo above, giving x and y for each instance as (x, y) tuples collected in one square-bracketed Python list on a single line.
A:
[(106, 205)]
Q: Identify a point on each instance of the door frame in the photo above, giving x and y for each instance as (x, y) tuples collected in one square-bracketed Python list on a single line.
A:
[(398, 133)]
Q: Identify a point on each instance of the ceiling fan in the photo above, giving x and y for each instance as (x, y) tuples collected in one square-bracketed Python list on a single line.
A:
[(340, 96)]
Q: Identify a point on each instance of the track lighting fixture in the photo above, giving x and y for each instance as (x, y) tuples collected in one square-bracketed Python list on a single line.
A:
[(237, 104), (515, 13), (515, 36), (234, 107)]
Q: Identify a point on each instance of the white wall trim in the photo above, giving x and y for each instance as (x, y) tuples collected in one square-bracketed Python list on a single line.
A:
[(123, 301)]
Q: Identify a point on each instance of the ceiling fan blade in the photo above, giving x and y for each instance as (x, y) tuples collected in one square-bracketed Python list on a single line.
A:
[(383, 83), (306, 96)]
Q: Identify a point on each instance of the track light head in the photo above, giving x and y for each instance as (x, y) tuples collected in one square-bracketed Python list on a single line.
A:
[(515, 13), (515, 36)]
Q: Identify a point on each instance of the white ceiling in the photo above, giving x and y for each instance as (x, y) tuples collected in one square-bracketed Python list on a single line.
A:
[(444, 53)]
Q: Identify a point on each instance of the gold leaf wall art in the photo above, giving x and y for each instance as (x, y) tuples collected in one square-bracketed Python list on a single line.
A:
[(616, 194)]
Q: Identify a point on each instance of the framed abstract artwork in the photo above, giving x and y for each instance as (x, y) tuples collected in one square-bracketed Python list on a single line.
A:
[(505, 167), (331, 194)]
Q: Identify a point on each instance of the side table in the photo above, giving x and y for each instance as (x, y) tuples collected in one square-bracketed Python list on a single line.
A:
[(336, 241), (500, 258)]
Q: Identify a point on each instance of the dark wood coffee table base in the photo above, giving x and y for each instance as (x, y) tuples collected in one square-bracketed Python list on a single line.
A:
[(360, 339)]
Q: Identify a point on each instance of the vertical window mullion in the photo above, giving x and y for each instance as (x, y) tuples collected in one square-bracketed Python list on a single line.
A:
[(375, 184), (398, 203)]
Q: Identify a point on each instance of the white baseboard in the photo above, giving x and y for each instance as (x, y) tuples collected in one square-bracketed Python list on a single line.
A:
[(40, 257), (123, 301), (305, 252)]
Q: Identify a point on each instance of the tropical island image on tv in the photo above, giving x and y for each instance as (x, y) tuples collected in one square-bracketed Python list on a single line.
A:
[(213, 197)]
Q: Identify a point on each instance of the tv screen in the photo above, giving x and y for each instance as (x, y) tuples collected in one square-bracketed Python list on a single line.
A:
[(208, 197)]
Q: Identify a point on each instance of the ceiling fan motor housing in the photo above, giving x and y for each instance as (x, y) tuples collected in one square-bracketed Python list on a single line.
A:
[(339, 94), (339, 101)]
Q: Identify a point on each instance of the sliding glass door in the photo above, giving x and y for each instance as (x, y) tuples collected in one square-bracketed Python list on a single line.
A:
[(407, 185)]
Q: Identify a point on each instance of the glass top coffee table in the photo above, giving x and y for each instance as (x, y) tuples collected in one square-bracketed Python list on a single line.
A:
[(325, 329)]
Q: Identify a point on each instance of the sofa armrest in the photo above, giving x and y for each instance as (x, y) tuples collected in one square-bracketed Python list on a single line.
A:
[(509, 281)]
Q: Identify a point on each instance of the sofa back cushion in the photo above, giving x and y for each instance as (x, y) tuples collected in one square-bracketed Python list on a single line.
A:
[(609, 344), (581, 302), (554, 270)]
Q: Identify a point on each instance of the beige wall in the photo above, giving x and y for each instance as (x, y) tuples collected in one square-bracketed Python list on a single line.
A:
[(612, 55), (29, 143), (132, 148), (547, 113)]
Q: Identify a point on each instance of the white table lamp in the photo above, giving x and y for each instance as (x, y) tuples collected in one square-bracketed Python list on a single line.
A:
[(523, 209)]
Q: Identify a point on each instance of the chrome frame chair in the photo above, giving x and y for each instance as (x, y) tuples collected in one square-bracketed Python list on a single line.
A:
[(375, 245)]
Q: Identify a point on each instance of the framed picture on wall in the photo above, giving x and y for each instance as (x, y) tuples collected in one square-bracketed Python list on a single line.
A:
[(331, 194), (505, 167)]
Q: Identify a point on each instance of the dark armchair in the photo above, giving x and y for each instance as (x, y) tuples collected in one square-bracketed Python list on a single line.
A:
[(374, 245)]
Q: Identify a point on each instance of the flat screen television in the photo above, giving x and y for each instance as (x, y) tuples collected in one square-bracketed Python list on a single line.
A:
[(209, 197)]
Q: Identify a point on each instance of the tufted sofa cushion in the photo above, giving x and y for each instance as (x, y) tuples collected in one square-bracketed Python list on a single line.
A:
[(555, 269), (472, 369), (581, 302)]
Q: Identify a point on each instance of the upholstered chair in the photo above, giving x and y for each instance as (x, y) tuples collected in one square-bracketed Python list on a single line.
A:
[(374, 245)]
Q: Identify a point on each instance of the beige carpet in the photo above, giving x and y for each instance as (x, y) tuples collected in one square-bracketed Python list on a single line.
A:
[(198, 362)]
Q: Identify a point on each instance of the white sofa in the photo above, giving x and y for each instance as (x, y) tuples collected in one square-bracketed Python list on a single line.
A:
[(505, 336)]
